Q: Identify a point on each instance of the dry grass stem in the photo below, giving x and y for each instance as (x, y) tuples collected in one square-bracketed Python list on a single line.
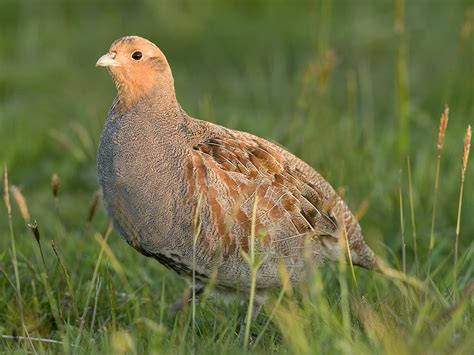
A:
[(84, 137), (443, 124), (285, 278), (412, 213), (465, 159), (362, 210), (6, 197), (254, 265), (65, 141), (93, 281), (348, 249), (270, 317), (42, 340), (402, 229), (66, 275), (397, 275), (196, 233)]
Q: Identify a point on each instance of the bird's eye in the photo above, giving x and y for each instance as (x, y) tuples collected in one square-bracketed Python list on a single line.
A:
[(137, 55)]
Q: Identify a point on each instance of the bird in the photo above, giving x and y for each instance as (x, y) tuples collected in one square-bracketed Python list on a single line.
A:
[(199, 197)]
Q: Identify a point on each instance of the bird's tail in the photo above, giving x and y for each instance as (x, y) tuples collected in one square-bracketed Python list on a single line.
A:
[(363, 256)]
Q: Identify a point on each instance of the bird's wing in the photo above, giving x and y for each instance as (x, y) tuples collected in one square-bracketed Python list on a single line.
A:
[(227, 172)]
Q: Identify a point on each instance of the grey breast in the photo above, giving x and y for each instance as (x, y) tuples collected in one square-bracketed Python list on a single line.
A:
[(140, 185)]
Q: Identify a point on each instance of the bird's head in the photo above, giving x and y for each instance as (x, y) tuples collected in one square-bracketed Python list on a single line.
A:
[(139, 69)]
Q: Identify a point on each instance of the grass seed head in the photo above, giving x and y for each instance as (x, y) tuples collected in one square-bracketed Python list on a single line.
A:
[(21, 203), (55, 181), (443, 124), (93, 206), (467, 148), (6, 191), (35, 230)]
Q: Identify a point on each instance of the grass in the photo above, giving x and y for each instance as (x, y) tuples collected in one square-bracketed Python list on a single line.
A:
[(355, 89)]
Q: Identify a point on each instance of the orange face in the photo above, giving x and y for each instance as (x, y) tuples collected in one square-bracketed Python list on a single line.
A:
[(131, 52), (137, 67)]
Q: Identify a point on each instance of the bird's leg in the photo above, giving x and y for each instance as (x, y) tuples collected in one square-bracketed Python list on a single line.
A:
[(187, 298), (257, 307)]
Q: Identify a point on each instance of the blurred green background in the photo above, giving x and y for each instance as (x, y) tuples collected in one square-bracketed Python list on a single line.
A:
[(320, 77), (352, 87)]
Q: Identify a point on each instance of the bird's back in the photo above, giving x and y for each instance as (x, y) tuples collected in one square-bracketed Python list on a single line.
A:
[(298, 216)]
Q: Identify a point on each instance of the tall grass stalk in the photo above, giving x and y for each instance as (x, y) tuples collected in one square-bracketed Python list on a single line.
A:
[(118, 269), (443, 124), (6, 197), (402, 76), (402, 228), (44, 276), (345, 309), (465, 160), (92, 284), (412, 213), (96, 298), (36, 234), (66, 277), (396, 275), (251, 262), (196, 233), (30, 339), (254, 265), (112, 301), (270, 318), (348, 250), (286, 288), (162, 301)]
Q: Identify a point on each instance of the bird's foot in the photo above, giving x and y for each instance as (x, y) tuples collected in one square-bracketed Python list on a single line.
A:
[(184, 301)]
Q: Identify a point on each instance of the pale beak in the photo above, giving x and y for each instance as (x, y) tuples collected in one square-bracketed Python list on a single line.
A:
[(107, 60)]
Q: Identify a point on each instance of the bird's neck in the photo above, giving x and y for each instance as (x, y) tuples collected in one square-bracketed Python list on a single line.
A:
[(158, 116), (156, 100), (155, 87)]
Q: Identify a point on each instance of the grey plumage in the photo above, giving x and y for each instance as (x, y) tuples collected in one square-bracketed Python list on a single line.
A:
[(156, 165)]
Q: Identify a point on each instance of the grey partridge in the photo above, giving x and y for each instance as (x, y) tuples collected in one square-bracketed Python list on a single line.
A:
[(161, 170)]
